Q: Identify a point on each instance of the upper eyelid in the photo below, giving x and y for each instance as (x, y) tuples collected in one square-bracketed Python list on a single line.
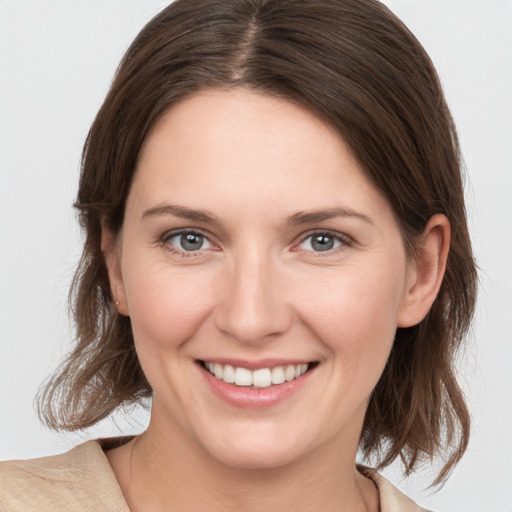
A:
[(180, 231), (164, 241), (343, 237)]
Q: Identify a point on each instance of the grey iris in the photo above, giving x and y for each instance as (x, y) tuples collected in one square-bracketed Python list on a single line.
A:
[(191, 241), (322, 242)]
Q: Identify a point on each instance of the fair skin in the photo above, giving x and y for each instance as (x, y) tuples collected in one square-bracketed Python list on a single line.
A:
[(253, 240)]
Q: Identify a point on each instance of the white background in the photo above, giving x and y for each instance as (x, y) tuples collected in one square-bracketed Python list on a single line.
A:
[(56, 62)]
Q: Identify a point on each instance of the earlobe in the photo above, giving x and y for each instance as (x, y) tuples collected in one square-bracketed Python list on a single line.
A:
[(426, 272), (110, 250)]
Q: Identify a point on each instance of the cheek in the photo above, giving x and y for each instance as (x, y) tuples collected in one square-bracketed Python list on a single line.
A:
[(166, 308), (354, 313)]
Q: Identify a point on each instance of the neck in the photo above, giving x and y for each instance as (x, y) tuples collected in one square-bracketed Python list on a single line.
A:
[(163, 469)]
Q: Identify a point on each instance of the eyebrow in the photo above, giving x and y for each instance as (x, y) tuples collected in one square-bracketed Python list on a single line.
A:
[(293, 220), (321, 215), (183, 212)]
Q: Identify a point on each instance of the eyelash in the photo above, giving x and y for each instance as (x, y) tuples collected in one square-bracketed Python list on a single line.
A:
[(342, 239), (166, 237)]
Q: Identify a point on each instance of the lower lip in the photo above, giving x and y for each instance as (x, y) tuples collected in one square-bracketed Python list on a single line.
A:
[(254, 398)]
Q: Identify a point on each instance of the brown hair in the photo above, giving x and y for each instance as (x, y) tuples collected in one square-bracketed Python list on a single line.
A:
[(353, 63)]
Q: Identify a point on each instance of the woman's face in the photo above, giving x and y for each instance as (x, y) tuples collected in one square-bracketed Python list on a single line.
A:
[(254, 247)]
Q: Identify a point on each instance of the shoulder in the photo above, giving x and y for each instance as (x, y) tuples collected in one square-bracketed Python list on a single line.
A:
[(78, 480), (391, 499)]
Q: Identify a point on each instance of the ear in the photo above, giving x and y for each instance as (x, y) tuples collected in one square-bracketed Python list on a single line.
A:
[(426, 272), (110, 247)]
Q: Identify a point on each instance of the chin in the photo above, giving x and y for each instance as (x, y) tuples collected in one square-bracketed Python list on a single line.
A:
[(259, 453), (258, 459)]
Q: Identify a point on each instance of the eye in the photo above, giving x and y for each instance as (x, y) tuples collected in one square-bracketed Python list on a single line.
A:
[(322, 242), (187, 241)]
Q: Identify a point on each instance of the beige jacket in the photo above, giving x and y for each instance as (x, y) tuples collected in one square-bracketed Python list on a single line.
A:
[(81, 480)]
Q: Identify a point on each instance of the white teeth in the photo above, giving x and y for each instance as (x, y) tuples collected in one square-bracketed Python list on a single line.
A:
[(278, 375), (218, 370), (300, 369), (261, 378), (243, 377), (289, 373), (228, 375)]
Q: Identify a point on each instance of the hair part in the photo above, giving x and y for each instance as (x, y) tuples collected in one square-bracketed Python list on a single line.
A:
[(355, 65)]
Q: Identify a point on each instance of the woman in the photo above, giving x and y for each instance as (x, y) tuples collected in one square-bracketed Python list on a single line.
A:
[(277, 253)]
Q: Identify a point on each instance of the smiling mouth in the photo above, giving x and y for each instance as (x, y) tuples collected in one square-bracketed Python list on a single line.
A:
[(258, 379)]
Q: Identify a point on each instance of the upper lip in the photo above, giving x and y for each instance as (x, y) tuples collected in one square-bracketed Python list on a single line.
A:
[(256, 364)]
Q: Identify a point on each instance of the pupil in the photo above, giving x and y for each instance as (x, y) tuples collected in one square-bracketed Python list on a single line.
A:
[(191, 242), (322, 243)]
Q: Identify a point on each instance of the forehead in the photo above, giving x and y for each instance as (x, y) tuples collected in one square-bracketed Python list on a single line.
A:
[(263, 123), (248, 145)]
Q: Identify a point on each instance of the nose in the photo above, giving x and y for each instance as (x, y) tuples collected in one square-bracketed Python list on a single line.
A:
[(252, 304)]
